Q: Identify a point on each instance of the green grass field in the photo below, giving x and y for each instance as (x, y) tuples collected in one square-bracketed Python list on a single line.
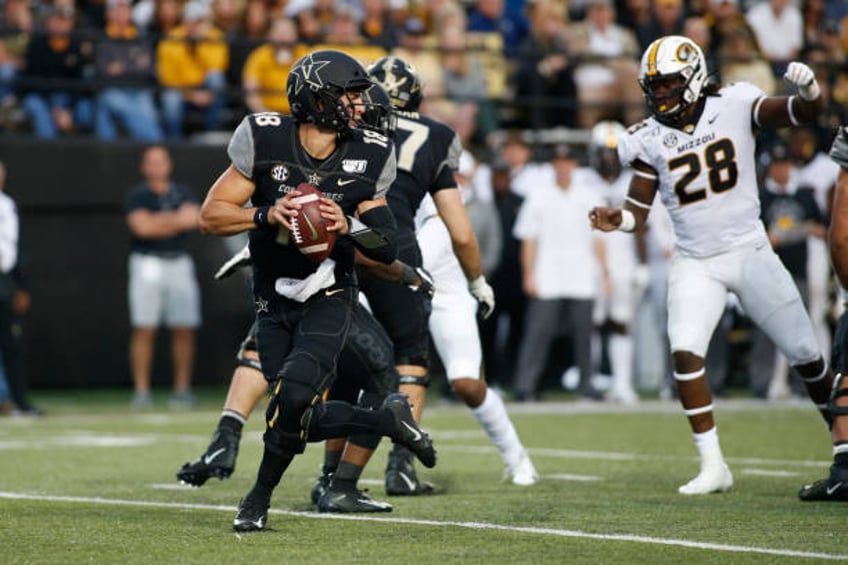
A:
[(94, 483)]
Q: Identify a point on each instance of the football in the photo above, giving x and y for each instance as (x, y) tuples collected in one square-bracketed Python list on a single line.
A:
[(308, 229)]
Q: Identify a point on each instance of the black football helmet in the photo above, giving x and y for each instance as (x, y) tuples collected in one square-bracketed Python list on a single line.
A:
[(378, 114), (400, 80), (317, 83)]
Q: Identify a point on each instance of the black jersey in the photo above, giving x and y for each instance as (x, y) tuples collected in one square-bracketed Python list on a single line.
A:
[(427, 156), (265, 148)]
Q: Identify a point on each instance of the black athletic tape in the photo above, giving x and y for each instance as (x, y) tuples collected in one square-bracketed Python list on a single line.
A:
[(413, 380)]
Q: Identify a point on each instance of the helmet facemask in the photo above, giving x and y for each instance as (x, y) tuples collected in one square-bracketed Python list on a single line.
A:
[(377, 114), (672, 76)]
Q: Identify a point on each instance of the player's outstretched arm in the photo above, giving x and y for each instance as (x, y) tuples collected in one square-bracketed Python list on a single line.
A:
[(633, 215), (800, 108), (223, 211)]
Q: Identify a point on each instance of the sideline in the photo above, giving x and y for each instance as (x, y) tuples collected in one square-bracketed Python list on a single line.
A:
[(437, 523)]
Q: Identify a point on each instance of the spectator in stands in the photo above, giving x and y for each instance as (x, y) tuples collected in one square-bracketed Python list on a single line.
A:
[(227, 17), (191, 63), (309, 28), (158, 17), (16, 25), (498, 16), (163, 287), (544, 82), (344, 36), (124, 77), (53, 92), (723, 17), (267, 68), (470, 110), (377, 26), (251, 34), (666, 19), (415, 49), (813, 16), (607, 67), (779, 29), (741, 60)]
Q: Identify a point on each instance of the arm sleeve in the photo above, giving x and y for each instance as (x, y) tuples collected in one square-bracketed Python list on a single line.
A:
[(375, 235)]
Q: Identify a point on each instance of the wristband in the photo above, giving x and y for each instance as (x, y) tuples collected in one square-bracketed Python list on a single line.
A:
[(628, 221), (260, 217), (809, 91)]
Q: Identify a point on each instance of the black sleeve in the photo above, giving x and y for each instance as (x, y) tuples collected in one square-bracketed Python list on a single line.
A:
[(375, 236)]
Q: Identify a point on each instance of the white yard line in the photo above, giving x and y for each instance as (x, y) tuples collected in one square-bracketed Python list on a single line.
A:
[(437, 523)]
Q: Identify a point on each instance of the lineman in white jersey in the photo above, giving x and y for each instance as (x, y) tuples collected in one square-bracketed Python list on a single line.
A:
[(615, 307), (453, 327), (697, 150)]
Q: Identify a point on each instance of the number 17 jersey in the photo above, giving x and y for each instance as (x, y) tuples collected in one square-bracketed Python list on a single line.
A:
[(707, 176)]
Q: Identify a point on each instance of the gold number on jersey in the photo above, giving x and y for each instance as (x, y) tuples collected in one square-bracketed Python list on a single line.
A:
[(411, 145), (722, 172), (267, 119)]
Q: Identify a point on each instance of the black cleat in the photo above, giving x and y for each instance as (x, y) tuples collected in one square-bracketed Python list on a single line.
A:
[(339, 500), (407, 432), (252, 514), (320, 487), (832, 489), (218, 461), (401, 478)]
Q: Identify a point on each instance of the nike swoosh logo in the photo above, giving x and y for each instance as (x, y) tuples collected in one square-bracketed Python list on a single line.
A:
[(211, 457), (416, 435), (333, 292), (408, 481), (833, 489), (313, 233), (343, 182), (711, 120)]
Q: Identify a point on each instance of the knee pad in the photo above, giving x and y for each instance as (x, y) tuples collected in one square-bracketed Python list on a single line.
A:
[(250, 362), (249, 344), (289, 415), (838, 391), (413, 380)]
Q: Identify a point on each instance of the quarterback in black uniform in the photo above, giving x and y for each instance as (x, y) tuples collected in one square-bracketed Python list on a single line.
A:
[(427, 156), (303, 308)]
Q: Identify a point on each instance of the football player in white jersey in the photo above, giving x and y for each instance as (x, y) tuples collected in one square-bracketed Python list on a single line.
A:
[(453, 328), (697, 151), (615, 308)]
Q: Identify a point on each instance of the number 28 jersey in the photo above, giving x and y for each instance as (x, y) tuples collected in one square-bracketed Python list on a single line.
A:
[(266, 149), (707, 176)]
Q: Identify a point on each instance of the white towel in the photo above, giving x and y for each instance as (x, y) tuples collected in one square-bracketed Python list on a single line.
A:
[(302, 289)]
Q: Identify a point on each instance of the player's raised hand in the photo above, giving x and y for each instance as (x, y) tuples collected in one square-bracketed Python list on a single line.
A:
[(804, 80)]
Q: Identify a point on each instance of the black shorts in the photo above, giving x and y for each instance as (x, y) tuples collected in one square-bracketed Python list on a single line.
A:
[(404, 314), (367, 360), (302, 341)]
